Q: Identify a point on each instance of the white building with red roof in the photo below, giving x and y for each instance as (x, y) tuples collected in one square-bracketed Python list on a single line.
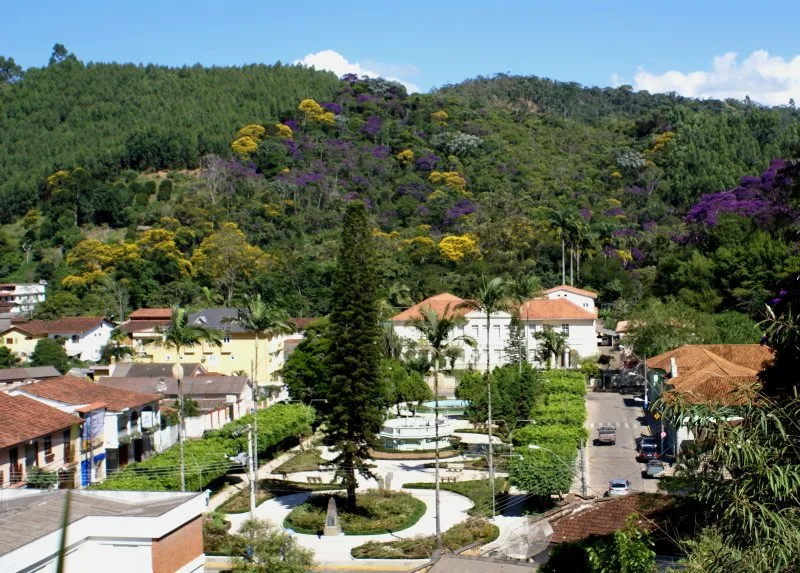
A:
[(564, 308)]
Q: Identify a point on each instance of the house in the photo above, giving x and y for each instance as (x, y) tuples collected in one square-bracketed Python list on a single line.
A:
[(236, 355), (21, 298), (211, 392), (281, 347), (714, 374), (120, 531), (569, 310), (84, 336), (34, 434), (119, 424), (12, 377), (144, 326)]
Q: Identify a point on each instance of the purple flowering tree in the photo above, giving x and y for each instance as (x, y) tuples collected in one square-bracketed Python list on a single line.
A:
[(372, 127)]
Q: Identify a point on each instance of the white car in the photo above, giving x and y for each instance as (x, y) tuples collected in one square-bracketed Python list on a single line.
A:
[(618, 487)]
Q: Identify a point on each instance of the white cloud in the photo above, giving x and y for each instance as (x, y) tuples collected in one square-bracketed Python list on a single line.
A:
[(617, 80), (770, 80), (335, 62)]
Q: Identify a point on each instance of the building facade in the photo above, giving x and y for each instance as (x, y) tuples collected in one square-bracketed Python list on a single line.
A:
[(568, 310), (84, 336), (21, 298)]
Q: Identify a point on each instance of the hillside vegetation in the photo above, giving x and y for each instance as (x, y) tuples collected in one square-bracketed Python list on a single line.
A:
[(129, 186)]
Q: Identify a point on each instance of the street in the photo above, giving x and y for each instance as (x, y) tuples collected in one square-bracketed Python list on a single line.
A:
[(608, 462)]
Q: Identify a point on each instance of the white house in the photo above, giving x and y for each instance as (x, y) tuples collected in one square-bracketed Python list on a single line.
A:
[(120, 531), (19, 298), (84, 336), (567, 309)]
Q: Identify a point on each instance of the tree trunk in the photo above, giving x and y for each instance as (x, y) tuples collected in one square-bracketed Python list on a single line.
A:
[(436, 433), (255, 413), (571, 257), (563, 261), (578, 263), (350, 479)]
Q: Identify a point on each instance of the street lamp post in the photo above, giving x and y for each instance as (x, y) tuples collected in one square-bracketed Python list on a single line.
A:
[(177, 373), (250, 465)]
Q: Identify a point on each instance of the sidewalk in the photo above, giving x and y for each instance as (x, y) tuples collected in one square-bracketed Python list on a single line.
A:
[(263, 471)]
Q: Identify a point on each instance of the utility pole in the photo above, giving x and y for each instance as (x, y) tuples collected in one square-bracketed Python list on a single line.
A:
[(645, 382), (584, 485), (252, 473), (177, 373)]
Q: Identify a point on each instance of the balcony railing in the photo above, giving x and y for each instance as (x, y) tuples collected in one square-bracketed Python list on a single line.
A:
[(16, 473)]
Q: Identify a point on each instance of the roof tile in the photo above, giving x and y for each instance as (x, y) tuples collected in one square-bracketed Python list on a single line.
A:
[(72, 390), (440, 303), (23, 419)]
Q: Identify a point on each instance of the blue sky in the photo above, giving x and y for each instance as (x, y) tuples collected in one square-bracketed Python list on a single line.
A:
[(432, 43)]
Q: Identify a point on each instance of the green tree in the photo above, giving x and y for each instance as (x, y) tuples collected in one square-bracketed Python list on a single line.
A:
[(179, 334), (307, 372), (515, 348), (522, 289), (630, 551), (405, 385), (355, 402), (541, 473), (7, 358), (50, 352), (10, 71), (656, 327), (272, 551), (551, 343)]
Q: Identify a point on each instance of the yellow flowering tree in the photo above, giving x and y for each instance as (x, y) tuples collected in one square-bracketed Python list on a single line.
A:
[(284, 131), (440, 117), (456, 248), (253, 131), (244, 146), (225, 259), (94, 260), (451, 180), (420, 249), (160, 247), (406, 156)]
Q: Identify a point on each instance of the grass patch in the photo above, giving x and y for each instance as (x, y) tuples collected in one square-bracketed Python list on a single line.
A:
[(307, 461), (376, 512), (470, 531), (497, 433), (477, 490), (267, 489)]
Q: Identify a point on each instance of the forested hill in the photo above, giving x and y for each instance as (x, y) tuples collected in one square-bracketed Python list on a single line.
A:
[(104, 117), (127, 186)]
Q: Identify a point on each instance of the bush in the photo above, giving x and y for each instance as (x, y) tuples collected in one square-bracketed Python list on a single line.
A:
[(476, 490), (553, 434), (460, 535), (208, 459)]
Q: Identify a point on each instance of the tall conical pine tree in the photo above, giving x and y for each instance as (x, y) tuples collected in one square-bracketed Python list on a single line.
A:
[(356, 397)]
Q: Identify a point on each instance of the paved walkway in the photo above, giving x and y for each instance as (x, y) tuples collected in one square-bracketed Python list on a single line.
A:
[(337, 549)]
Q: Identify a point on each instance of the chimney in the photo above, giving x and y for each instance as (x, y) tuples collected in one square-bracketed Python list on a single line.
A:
[(673, 368)]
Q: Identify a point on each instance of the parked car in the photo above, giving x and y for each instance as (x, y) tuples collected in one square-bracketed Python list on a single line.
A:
[(647, 452), (655, 468), (607, 435), (618, 487)]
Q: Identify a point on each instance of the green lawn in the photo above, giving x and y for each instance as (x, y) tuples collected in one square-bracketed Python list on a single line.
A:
[(460, 535), (477, 490), (307, 461), (377, 512)]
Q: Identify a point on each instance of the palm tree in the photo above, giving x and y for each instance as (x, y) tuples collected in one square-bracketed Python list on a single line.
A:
[(178, 335), (552, 343), (261, 319), (490, 298), (522, 289), (561, 221), (437, 340)]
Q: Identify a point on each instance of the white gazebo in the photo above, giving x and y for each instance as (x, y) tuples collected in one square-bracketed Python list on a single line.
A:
[(415, 433)]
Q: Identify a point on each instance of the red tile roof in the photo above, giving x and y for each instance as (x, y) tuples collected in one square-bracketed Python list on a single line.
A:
[(75, 391), (440, 303), (554, 309), (606, 515), (67, 325), (151, 314), (302, 323), (714, 373), (573, 290), (132, 326), (23, 419)]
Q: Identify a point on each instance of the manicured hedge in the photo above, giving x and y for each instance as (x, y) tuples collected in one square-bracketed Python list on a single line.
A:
[(207, 459)]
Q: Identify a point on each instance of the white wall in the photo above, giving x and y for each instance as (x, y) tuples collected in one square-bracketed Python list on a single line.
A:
[(581, 337), (90, 344), (582, 301)]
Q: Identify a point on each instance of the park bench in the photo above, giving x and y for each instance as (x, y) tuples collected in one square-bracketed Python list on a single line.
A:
[(455, 467), (313, 479), (449, 479)]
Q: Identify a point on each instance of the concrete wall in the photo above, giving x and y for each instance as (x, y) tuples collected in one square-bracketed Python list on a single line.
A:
[(178, 548), (89, 345)]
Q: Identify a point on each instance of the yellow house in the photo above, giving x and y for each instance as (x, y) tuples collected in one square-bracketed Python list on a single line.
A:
[(20, 341), (237, 353)]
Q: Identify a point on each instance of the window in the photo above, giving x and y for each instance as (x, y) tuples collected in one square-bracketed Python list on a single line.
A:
[(497, 330), (226, 340), (48, 445), (476, 331), (65, 439), (9, 341), (565, 329), (497, 355), (75, 338)]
